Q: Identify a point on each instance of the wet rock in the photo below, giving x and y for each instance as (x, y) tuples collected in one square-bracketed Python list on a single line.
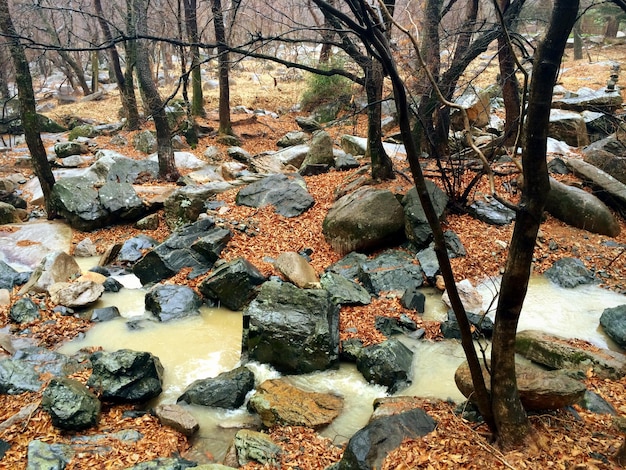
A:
[(539, 389), (171, 302), (66, 149), (413, 299), (75, 294), (178, 418), (85, 249), (470, 297), (213, 243), (47, 361), (126, 375), (232, 284), (294, 330), (344, 291), (76, 199), (185, 205), (296, 269), (145, 141), (388, 363), (112, 285), (254, 446), (393, 271), (281, 404), (349, 266), (364, 220), (569, 127), (613, 322), (483, 326), (133, 248), (42, 455), (18, 376), (556, 353), (227, 390), (287, 193), (580, 209), (369, 446), (103, 314), (24, 310), (390, 326), (417, 227), (71, 405), (492, 212), (569, 273)]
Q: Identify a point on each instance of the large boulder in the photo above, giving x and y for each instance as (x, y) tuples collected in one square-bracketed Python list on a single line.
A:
[(344, 291), (580, 209), (586, 98), (417, 226), (67, 149), (613, 322), (393, 272), (121, 201), (117, 168), (364, 220), (227, 390), (171, 301), (280, 404), (126, 376), (369, 446), (232, 284), (287, 193), (71, 405), (388, 363), (558, 353), (569, 127), (295, 330), (320, 150), (539, 389), (569, 273)]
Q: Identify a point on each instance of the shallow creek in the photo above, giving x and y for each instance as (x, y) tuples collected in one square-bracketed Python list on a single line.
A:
[(206, 345)]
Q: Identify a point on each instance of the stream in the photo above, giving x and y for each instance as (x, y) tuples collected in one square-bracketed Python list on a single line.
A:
[(206, 345)]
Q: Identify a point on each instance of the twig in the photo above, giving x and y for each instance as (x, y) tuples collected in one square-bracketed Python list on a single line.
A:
[(24, 414)]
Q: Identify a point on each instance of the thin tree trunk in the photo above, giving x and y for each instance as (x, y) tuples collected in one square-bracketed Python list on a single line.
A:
[(191, 22), (225, 126), (382, 167), (127, 89), (24, 82), (510, 85), (510, 417)]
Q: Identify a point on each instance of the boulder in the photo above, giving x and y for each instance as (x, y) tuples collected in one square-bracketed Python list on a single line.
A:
[(388, 363), (103, 314), (471, 299), (18, 376), (228, 390), (613, 322), (178, 418), (413, 299), (254, 446), (364, 220), (287, 193), (392, 272), (292, 138), (296, 269), (145, 141), (8, 214), (580, 209), (613, 144), (344, 291), (125, 375), (482, 326), (121, 169), (57, 266), (586, 98), (71, 405), (417, 227), (569, 273), (345, 162), (24, 310), (353, 145), (607, 162), (82, 130), (295, 330), (133, 248), (569, 127), (76, 199), (492, 212), (477, 106), (280, 404), (558, 353), (171, 302), (320, 150), (85, 248), (232, 284), (369, 446), (308, 124), (67, 149), (349, 266), (185, 205), (75, 294), (42, 455), (8, 276), (121, 201), (539, 389)]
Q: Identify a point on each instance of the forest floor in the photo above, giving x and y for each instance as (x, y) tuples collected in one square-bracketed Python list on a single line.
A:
[(562, 440)]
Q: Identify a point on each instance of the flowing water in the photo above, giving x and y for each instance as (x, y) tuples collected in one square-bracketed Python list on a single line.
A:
[(206, 345)]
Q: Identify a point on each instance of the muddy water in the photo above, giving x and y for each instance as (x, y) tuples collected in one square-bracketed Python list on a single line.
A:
[(209, 344)]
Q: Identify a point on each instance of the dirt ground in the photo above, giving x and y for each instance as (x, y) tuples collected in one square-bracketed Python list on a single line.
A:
[(563, 440)]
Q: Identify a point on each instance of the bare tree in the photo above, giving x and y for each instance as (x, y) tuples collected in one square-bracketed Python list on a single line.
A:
[(191, 23), (225, 126)]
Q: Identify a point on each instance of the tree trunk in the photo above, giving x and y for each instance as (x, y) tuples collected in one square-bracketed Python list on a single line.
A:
[(152, 100), (225, 126), (510, 417), (191, 22), (510, 85), (127, 88), (382, 167), (24, 83), (612, 27), (578, 42)]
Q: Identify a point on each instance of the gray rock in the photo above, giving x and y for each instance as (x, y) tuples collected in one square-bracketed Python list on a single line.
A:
[(178, 418), (66, 149), (128, 170), (607, 162), (104, 314), (18, 376), (8, 214), (580, 209), (24, 310), (125, 375), (353, 145), (145, 141), (254, 446), (388, 363), (165, 463), (75, 294), (85, 249), (413, 299), (287, 194), (212, 245), (492, 212), (44, 456), (232, 284), (556, 353), (476, 103), (132, 249), (227, 390), (185, 205), (569, 272), (292, 138), (8, 276), (613, 322), (569, 127), (320, 150), (308, 124), (71, 405), (149, 222), (612, 144), (76, 199), (586, 98), (170, 302), (599, 125), (369, 446), (83, 130), (294, 330), (239, 154), (417, 226), (349, 266), (593, 402), (344, 291), (346, 162), (393, 271), (121, 201), (364, 220), (483, 326)]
